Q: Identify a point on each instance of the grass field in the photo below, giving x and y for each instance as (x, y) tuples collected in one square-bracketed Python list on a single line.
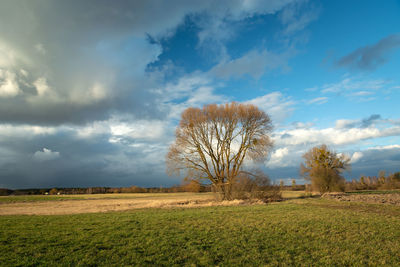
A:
[(40, 198), (295, 232)]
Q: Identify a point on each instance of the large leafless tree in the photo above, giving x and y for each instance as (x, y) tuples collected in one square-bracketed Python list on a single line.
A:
[(215, 141)]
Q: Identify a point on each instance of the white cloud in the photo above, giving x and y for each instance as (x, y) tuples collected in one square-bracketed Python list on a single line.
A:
[(8, 84), (274, 104), (140, 130), (362, 93), (25, 131), (277, 157), (204, 95), (345, 123), (41, 86), (46, 155), (356, 157), (193, 90), (335, 136), (318, 100), (293, 143), (9, 56), (388, 147)]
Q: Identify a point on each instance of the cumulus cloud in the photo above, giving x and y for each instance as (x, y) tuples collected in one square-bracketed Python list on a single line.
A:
[(25, 131), (373, 56), (41, 86), (367, 161), (291, 144), (8, 85), (356, 157), (193, 90), (277, 157), (335, 136), (46, 155), (275, 104)]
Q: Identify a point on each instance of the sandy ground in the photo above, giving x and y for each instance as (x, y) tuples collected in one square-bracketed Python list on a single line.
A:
[(106, 205)]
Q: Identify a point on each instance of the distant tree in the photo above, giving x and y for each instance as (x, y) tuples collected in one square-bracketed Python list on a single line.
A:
[(53, 191), (396, 176), (293, 184), (323, 167), (191, 186), (213, 142)]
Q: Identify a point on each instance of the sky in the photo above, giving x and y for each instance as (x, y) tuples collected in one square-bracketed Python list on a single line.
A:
[(91, 91)]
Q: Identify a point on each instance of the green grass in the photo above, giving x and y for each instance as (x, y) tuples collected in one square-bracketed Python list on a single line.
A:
[(298, 232), (40, 198)]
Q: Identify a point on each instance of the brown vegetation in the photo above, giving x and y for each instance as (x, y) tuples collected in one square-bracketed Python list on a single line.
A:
[(103, 203), (213, 142), (323, 167), (382, 182)]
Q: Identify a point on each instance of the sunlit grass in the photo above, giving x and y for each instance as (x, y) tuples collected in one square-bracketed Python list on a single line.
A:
[(297, 232)]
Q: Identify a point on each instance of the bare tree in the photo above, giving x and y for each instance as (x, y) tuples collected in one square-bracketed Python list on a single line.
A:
[(213, 143), (323, 167)]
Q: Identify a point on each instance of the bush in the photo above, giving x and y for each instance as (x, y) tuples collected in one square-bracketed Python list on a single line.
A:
[(256, 188)]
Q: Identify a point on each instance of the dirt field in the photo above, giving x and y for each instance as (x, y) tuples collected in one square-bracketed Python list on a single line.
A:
[(107, 204), (393, 199)]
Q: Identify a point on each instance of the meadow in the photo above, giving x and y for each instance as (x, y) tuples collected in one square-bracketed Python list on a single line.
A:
[(40, 198), (309, 231)]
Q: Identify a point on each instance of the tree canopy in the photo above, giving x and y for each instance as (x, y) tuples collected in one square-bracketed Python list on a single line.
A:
[(213, 143), (324, 167)]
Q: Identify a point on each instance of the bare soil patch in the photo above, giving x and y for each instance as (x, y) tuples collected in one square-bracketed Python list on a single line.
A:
[(392, 199), (107, 205)]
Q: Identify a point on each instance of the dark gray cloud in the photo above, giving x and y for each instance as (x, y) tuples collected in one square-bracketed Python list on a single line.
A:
[(371, 56), (375, 159), (363, 123), (370, 120), (73, 160)]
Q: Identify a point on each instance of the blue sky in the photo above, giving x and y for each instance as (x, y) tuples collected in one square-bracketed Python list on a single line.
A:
[(91, 92)]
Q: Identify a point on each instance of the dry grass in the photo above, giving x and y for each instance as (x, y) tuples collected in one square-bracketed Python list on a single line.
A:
[(291, 194), (104, 203)]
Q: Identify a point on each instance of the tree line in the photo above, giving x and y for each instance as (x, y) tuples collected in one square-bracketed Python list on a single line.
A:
[(192, 186)]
